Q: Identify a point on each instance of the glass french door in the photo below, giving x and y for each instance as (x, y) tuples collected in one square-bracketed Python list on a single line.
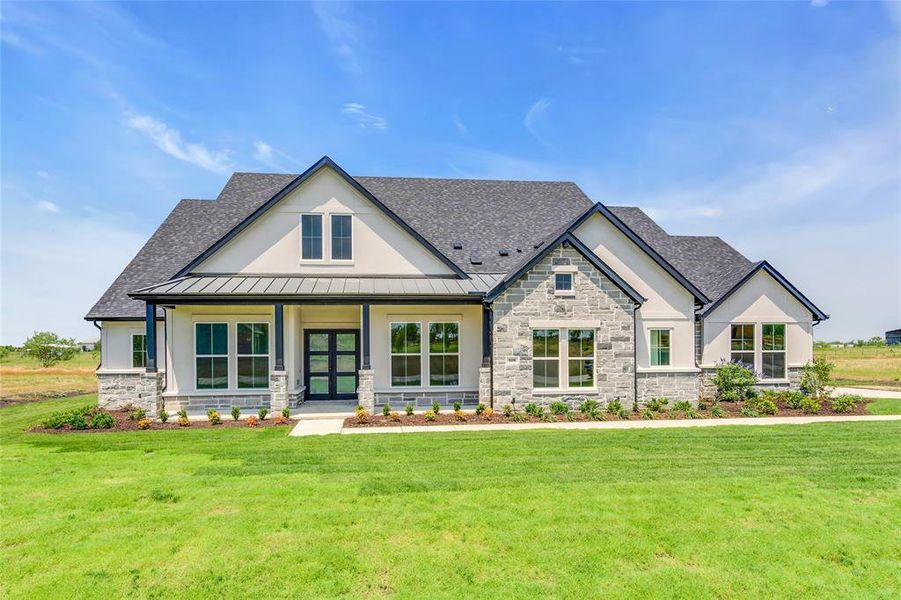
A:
[(331, 362)]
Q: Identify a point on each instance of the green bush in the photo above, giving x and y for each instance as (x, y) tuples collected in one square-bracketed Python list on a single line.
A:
[(429, 415), (614, 407), (733, 381), (518, 417), (531, 409), (559, 408), (213, 416), (682, 406), (436, 407), (458, 406), (480, 408), (816, 378), (762, 404), (182, 414), (286, 412), (236, 413), (845, 403), (66, 417), (548, 417), (747, 411), (137, 414), (508, 410), (810, 405), (386, 409), (164, 416), (262, 413), (717, 412), (623, 413), (103, 420), (589, 405), (647, 414), (792, 399), (658, 404), (409, 408)]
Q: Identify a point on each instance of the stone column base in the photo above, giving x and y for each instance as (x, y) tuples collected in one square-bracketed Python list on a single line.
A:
[(485, 386), (135, 388), (366, 390), (278, 391)]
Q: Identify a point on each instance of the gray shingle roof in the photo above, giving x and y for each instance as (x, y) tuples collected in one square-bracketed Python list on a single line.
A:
[(482, 217)]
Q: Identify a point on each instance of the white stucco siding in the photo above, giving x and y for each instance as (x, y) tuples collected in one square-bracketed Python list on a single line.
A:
[(115, 347), (272, 243), (760, 300), (470, 319), (669, 305)]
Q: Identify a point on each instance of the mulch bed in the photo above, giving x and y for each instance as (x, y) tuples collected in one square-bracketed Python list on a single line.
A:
[(124, 423), (731, 410)]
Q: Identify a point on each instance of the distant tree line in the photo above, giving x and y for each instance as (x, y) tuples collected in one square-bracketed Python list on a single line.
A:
[(876, 340)]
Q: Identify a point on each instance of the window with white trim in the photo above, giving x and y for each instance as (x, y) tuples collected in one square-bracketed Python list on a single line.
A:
[(660, 347), (138, 350), (211, 356), (342, 237), (252, 349), (570, 365), (773, 351), (406, 354), (444, 354), (742, 344), (311, 237), (563, 283)]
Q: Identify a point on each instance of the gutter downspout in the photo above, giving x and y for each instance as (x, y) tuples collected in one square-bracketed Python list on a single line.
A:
[(165, 350), (100, 329), (634, 356)]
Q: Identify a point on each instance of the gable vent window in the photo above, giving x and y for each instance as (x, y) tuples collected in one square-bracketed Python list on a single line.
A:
[(563, 283), (311, 237), (342, 237)]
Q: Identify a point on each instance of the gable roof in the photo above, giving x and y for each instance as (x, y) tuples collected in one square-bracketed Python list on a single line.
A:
[(763, 265), (324, 162), (568, 239)]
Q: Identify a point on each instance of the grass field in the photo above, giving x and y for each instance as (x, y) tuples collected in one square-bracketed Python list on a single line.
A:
[(23, 378), (781, 511), (867, 366)]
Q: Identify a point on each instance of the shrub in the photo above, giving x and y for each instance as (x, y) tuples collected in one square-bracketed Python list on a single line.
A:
[(570, 416), (559, 408), (733, 381), (793, 399), (429, 415), (262, 413), (394, 417), (635, 407), (717, 412), (144, 423), (845, 403), (286, 412), (386, 409), (104, 420), (531, 409), (614, 407), (518, 417), (409, 408), (74, 417), (488, 413), (762, 404), (658, 404), (682, 406), (747, 411), (547, 417), (647, 414), (164, 416), (480, 408), (236, 413), (691, 413), (252, 421), (589, 405), (213, 416), (458, 405), (362, 416), (702, 404), (282, 420), (458, 414), (183, 421), (508, 410), (810, 405), (137, 414), (816, 378), (436, 407), (182, 413), (623, 414)]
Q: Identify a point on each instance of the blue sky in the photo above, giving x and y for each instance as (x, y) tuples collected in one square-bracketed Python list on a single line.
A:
[(774, 125)]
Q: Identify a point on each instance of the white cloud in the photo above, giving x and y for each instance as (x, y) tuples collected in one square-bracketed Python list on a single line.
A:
[(364, 119), (534, 118), (262, 151), (336, 22), (47, 206), (169, 140), (819, 3), (272, 157), (43, 174)]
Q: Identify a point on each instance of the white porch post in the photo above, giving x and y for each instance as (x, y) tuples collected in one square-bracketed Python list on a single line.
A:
[(278, 377), (366, 376)]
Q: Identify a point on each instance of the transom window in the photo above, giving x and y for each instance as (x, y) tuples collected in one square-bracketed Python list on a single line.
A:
[(342, 237), (211, 355), (138, 350), (742, 345), (563, 282), (444, 354), (563, 366), (253, 355), (311, 237), (660, 347), (773, 351), (406, 351)]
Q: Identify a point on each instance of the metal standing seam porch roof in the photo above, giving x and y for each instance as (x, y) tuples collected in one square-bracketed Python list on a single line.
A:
[(273, 287)]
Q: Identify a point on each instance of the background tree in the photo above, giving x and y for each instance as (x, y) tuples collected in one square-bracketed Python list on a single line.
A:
[(48, 348)]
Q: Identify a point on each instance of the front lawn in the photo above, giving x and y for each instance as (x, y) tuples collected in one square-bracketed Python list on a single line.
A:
[(776, 511), (865, 366)]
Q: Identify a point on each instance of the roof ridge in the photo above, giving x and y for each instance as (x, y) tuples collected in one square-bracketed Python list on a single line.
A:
[(485, 180)]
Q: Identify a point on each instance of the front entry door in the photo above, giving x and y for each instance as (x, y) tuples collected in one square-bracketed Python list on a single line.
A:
[(331, 362)]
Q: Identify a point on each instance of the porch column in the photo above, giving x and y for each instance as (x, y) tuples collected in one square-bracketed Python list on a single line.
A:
[(150, 331), (366, 387), (486, 374), (365, 325), (279, 337)]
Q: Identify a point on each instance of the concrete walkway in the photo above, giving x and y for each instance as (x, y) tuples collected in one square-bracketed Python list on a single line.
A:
[(327, 426), (866, 392)]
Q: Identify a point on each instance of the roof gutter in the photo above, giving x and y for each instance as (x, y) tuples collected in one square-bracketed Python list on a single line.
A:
[(100, 329)]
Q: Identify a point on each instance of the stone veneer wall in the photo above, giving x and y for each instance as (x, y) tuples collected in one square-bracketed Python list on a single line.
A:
[(675, 386), (222, 403), (366, 389), (532, 297), (137, 388), (422, 400)]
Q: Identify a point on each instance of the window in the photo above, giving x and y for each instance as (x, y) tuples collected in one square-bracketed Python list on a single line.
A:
[(444, 354), (743, 345), (581, 358), (773, 351), (211, 356), (563, 283), (311, 237), (660, 347), (546, 358), (253, 355), (138, 350), (342, 237), (406, 348)]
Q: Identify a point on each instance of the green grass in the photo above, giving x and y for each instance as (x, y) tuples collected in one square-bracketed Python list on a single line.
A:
[(23, 378), (885, 406), (781, 511), (865, 366)]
